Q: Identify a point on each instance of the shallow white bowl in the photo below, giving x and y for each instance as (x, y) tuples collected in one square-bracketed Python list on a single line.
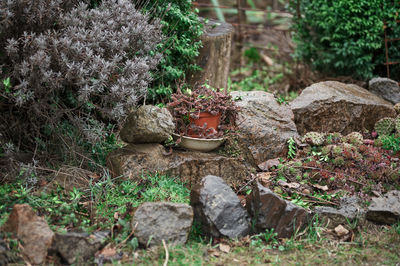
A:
[(203, 145)]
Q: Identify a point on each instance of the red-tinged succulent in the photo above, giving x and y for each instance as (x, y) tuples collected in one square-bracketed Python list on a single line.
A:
[(187, 105)]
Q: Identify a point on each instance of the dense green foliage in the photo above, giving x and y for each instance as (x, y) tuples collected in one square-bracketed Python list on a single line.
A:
[(182, 28), (343, 37), (393, 31), (391, 142)]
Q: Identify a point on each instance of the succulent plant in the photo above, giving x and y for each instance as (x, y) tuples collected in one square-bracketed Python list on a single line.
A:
[(333, 138), (385, 126), (378, 142), (348, 146), (354, 138), (397, 108), (339, 161), (291, 170), (397, 124), (336, 150), (314, 138), (187, 105), (326, 150)]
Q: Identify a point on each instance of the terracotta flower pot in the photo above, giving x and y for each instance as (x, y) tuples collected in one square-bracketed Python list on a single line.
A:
[(212, 121)]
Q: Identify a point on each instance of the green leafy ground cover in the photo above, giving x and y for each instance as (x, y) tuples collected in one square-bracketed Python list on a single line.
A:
[(94, 207)]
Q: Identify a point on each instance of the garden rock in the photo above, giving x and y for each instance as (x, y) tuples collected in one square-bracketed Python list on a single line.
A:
[(332, 106), (272, 212), (385, 88), (293, 219), (78, 247), (31, 230), (148, 124), (264, 125), (157, 221), (349, 211), (218, 209), (385, 209), (135, 160), (267, 205)]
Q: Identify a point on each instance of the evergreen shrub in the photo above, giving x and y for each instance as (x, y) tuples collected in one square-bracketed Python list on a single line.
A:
[(182, 29), (343, 37)]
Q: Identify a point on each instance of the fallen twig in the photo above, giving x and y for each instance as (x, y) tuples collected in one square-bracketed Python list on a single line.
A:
[(166, 253), (130, 235), (318, 199), (81, 213), (54, 171), (331, 172), (354, 181), (245, 185)]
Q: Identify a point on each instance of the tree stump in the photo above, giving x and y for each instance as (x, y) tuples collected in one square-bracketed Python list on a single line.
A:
[(214, 57)]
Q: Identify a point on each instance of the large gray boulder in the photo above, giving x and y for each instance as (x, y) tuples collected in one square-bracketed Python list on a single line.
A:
[(148, 124), (269, 211), (385, 88), (135, 160), (385, 209), (332, 106), (157, 221), (264, 125), (218, 209)]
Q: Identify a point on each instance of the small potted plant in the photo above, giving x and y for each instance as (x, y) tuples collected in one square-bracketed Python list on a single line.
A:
[(203, 113)]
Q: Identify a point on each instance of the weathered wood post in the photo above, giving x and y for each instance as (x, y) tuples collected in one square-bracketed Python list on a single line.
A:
[(214, 57)]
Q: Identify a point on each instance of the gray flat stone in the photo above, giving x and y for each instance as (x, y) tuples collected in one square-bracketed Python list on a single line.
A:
[(350, 211), (155, 221), (135, 159), (385, 209)]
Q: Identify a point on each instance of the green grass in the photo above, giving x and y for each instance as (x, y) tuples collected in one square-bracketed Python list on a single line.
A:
[(95, 206), (373, 245), (111, 198)]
